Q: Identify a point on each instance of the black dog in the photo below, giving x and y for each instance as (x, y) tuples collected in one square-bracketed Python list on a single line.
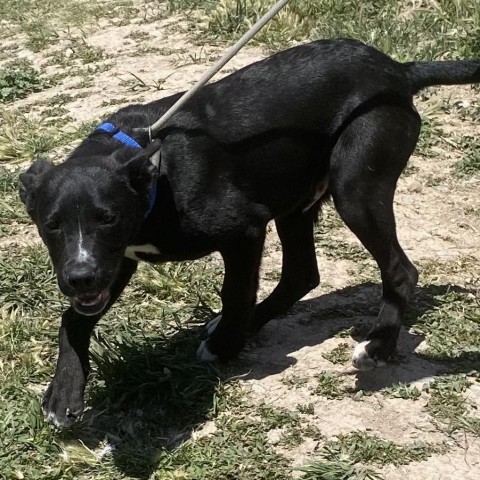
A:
[(271, 141)]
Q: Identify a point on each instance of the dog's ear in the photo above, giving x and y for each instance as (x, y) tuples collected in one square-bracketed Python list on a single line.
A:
[(30, 180), (142, 170)]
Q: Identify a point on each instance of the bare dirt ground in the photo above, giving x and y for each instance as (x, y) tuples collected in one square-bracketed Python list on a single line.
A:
[(438, 224)]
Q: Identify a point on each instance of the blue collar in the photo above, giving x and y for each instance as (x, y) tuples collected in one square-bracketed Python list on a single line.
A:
[(128, 141), (122, 137)]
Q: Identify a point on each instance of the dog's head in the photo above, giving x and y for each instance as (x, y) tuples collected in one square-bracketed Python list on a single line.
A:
[(88, 210)]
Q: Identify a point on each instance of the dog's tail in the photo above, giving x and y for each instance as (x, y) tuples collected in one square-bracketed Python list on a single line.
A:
[(426, 74)]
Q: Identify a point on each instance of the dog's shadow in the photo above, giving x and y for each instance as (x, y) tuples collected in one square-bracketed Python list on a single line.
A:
[(149, 397), (353, 309)]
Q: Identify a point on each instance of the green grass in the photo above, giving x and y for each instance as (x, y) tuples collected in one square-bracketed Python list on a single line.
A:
[(362, 447), (23, 269), (329, 385), (78, 52), (24, 137), (12, 213), (341, 354), (277, 418), (328, 234), (434, 29), (43, 22), (145, 389), (430, 137), (402, 390), (469, 166), (18, 78), (136, 84), (293, 381), (337, 469), (41, 34), (306, 409), (447, 404), (29, 448), (244, 453), (451, 327), (345, 457)]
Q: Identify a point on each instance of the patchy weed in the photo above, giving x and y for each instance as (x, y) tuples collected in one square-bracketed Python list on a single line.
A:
[(337, 469), (469, 166), (12, 213), (17, 79), (402, 390), (451, 327), (340, 354), (329, 385), (447, 404), (361, 447), (23, 138)]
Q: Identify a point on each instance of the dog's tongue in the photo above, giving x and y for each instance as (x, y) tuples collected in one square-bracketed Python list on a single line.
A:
[(92, 299)]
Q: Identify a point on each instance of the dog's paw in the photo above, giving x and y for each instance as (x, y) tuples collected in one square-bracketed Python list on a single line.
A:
[(212, 325), (62, 407), (364, 356), (204, 355)]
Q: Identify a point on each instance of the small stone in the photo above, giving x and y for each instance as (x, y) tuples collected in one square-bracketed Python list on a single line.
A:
[(258, 388), (274, 436), (415, 187), (474, 395)]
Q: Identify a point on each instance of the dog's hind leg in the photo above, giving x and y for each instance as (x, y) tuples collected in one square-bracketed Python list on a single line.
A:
[(299, 266), (299, 272), (365, 165)]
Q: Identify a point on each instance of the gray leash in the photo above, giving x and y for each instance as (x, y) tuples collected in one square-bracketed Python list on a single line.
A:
[(228, 55)]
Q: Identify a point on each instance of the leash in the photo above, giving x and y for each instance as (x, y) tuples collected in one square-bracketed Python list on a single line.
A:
[(228, 55), (153, 129)]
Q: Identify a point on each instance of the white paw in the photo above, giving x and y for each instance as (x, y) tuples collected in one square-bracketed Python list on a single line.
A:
[(204, 354), (361, 360), (52, 418), (212, 325)]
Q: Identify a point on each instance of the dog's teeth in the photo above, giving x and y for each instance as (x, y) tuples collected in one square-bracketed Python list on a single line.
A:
[(204, 354), (88, 304), (212, 325), (89, 300)]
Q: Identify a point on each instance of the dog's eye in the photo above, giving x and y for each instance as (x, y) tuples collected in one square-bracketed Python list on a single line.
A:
[(108, 218), (53, 226)]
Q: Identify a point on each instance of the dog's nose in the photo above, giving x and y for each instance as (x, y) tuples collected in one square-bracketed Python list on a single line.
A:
[(81, 276)]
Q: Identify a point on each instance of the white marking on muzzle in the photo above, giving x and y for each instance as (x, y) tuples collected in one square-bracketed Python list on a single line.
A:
[(132, 250), (83, 254)]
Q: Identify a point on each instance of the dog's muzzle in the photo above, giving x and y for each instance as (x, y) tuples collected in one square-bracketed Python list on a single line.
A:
[(91, 303)]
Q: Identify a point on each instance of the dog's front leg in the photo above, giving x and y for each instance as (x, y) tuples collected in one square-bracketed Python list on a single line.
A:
[(239, 291), (63, 400)]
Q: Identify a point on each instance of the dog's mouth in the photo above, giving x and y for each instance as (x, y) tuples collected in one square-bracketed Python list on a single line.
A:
[(91, 303)]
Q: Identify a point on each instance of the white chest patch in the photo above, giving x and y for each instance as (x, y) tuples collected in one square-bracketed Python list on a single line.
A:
[(132, 250)]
